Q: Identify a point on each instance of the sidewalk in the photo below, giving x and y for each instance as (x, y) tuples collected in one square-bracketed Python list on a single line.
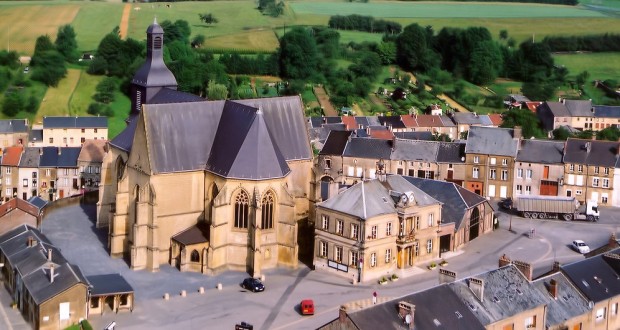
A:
[(10, 319)]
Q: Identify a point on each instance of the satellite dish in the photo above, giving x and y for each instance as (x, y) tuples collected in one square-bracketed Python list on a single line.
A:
[(408, 319)]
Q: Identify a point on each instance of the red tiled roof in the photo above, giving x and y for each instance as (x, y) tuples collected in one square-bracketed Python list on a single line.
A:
[(409, 120), (496, 119), (429, 121), (349, 122), (11, 156), (381, 134), (19, 204), (532, 106)]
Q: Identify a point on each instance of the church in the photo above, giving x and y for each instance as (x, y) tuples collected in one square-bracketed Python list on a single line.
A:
[(204, 186)]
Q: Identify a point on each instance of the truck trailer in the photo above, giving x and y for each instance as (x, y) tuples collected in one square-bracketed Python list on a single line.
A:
[(554, 207)]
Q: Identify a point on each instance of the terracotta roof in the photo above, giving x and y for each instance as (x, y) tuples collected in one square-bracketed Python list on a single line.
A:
[(92, 151), (496, 119), (12, 155), (409, 120), (383, 134), (533, 105), (349, 122), (429, 121), (16, 203)]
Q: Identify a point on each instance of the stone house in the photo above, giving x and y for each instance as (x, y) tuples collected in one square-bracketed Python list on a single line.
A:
[(89, 161), (13, 132), (10, 171), (538, 168), (73, 131)]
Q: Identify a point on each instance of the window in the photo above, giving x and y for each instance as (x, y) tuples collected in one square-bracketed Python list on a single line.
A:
[(530, 322), (519, 173), (90, 169), (7, 180), (417, 223), (66, 170), (492, 173), (373, 259), (571, 167), (429, 246), (242, 203), (606, 171), (48, 172), (476, 173), (579, 180), (84, 130), (97, 169), (195, 256), (388, 256), (71, 140), (8, 170), (373, 232), (605, 183), (431, 220), (338, 254), (51, 140), (476, 159), (25, 183), (323, 249), (578, 192), (324, 222), (604, 198), (579, 168), (595, 182), (82, 169), (359, 171), (95, 130), (82, 140), (504, 175), (504, 161), (528, 174), (350, 170), (596, 169), (353, 258), (339, 227), (354, 231), (328, 163), (416, 250), (493, 160), (64, 140), (519, 189), (76, 171), (266, 211), (388, 229), (8, 192), (600, 314), (614, 309), (528, 190)]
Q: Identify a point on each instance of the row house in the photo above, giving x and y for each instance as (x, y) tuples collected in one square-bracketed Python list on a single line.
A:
[(10, 172), (73, 131), (13, 132), (589, 170), (28, 185), (538, 168), (490, 156), (465, 120), (606, 116), (579, 114), (90, 161), (430, 123)]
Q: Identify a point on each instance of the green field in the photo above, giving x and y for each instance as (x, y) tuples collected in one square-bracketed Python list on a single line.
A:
[(83, 94), (56, 100), (601, 66), (358, 37), (440, 9), (107, 15)]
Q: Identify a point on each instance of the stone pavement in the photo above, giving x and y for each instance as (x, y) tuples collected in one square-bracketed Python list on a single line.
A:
[(10, 319)]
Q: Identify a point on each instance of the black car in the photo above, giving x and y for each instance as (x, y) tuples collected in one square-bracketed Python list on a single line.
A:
[(506, 203), (253, 284)]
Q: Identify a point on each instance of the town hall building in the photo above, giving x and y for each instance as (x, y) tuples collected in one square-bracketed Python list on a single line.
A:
[(204, 185)]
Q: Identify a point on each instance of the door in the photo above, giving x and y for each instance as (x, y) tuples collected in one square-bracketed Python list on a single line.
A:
[(444, 244), (546, 172), (25, 196), (61, 193), (450, 174)]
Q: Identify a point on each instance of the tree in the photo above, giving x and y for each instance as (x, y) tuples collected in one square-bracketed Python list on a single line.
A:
[(561, 133), (610, 134), (298, 54), (43, 44), (13, 103), (485, 63), (216, 91), (524, 118), (50, 68), (198, 40), (412, 48), (582, 78), (503, 34), (105, 90), (66, 43), (208, 18), (387, 52), (540, 91)]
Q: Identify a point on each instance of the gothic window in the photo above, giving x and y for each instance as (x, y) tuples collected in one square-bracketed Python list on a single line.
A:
[(195, 256), (267, 211), (242, 203)]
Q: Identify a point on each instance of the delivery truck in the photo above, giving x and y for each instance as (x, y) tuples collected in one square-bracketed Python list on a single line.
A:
[(552, 207)]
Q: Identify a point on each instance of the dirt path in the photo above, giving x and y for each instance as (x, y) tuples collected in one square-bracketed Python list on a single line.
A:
[(124, 27), (328, 108)]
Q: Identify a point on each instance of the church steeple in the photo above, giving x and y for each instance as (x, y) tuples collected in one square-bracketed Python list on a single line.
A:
[(153, 75)]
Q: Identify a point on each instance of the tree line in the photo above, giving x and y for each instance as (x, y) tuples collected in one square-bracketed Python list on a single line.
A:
[(552, 2), (608, 42), (364, 23)]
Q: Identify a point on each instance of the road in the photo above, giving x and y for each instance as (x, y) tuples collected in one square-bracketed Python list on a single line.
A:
[(72, 230)]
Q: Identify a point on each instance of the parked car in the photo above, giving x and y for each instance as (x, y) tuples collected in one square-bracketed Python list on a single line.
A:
[(306, 307), (253, 284), (506, 203), (580, 246)]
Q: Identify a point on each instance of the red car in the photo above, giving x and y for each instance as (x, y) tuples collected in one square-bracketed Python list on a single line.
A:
[(307, 307)]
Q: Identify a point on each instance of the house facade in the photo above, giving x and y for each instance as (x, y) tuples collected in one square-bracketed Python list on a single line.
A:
[(539, 169), (89, 162), (10, 171), (13, 132), (73, 131)]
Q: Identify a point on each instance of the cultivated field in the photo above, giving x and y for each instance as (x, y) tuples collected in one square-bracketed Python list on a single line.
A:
[(600, 65)]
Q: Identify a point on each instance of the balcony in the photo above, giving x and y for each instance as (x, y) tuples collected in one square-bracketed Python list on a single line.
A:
[(405, 239)]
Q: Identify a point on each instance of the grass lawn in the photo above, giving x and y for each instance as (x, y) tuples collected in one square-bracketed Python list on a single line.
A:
[(263, 40), (505, 86), (56, 100), (601, 66), (309, 98), (121, 107), (358, 36), (106, 14), (83, 94)]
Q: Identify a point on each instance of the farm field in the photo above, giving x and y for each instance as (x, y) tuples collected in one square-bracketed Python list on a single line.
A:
[(601, 66), (83, 94), (56, 100)]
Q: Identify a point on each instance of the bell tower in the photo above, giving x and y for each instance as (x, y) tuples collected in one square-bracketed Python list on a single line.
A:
[(153, 75)]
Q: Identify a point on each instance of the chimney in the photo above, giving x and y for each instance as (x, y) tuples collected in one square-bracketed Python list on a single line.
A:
[(342, 314), (556, 267), (40, 151), (31, 241), (368, 130), (49, 254), (446, 276), (59, 150), (503, 261), (406, 311), (476, 286), (553, 289), (517, 132), (52, 273), (525, 268)]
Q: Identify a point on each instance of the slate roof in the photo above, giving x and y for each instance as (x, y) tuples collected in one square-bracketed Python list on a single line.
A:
[(598, 277), (368, 148), (153, 72), (35, 135), (198, 233), (108, 284), (579, 108), (11, 156), (335, 127), (425, 136), (394, 121), (49, 158), (601, 153), (470, 118), (372, 198), (124, 139), (361, 133), (68, 157), (30, 158), (540, 151), (168, 95), (502, 284), (38, 202), (13, 126), (606, 111), (456, 199), (558, 109), (32, 264), (491, 141), (173, 149), (451, 152), (363, 121), (92, 151), (415, 150), (570, 302), (335, 143), (75, 122), (244, 148), (430, 312), (519, 98)]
